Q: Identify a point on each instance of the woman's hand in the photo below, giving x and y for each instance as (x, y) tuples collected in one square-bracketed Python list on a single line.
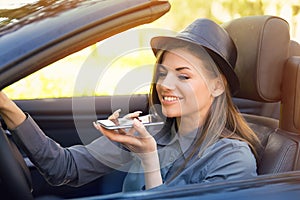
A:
[(142, 143), (3, 100), (137, 139), (10, 112)]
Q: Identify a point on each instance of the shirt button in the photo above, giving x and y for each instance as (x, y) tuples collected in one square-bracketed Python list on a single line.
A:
[(171, 159)]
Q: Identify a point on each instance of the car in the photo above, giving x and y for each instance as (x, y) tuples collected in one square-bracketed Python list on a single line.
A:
[(46, 34)]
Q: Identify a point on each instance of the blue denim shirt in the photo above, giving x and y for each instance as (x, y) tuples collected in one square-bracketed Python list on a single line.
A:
[(81, 164), (224, 160)]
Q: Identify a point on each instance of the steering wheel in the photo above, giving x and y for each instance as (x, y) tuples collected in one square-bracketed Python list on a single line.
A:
[(15, 176)]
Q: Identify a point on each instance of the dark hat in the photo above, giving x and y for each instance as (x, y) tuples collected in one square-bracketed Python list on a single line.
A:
[(213, 37)]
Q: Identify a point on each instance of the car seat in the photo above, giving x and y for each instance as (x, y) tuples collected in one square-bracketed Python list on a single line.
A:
[(262, 108), (270, 73), (294, 49)]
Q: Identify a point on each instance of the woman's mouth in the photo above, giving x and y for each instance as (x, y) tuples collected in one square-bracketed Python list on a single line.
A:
[(170, 99)]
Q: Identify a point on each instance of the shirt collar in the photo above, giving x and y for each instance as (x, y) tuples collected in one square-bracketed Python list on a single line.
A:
[(171, 135)]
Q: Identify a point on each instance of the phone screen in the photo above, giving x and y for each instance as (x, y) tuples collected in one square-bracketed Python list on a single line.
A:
[(147, 120)]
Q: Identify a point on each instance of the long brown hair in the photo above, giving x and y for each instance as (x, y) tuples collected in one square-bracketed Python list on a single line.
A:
[(223, 119)]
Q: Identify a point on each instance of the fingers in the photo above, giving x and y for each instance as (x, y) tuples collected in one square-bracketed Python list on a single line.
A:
[(139, 127), (131, 131), (133, 115), (122, 131), (114, 117), (96, 125), (113, 135), (138, 144)]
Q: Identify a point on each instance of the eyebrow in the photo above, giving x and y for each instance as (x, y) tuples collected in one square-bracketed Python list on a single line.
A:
[(182, 68), (177, 69)]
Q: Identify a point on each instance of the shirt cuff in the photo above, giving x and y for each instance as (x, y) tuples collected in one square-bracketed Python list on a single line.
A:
[(30, 135)]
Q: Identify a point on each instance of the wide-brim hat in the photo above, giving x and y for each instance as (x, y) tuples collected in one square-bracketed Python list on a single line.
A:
[(209, 35)]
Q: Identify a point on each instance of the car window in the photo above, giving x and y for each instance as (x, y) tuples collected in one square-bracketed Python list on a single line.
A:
[(119, 65)]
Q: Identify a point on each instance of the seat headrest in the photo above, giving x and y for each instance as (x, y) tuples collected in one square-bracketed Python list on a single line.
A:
[(290, 105), (263, 46), (294, 48)]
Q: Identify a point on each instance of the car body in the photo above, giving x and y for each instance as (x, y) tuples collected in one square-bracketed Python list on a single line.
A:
[(57, 29)]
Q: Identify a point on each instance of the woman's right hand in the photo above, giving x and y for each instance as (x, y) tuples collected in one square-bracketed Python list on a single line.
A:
[(10, 112), (3, 100)]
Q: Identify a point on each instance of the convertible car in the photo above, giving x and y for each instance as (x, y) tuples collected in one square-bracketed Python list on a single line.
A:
[(42, 37)]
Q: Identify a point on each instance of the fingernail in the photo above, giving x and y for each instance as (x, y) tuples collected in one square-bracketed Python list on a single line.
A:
[(117, 111)]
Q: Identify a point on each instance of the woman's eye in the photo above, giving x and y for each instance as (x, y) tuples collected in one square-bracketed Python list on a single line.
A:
[(161, 74), (183, 77)]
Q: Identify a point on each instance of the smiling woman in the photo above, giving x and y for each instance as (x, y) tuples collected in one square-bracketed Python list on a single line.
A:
[(204, 142)]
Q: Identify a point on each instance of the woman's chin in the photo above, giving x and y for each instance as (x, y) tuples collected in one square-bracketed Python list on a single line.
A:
[(171, 114)]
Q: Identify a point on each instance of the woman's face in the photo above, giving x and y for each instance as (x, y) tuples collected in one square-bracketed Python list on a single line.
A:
[(181, 86)]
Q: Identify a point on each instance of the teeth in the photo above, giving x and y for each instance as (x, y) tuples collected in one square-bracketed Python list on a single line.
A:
[(170, 98)]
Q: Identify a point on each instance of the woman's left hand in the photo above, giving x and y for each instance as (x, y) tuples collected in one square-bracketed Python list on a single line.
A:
[(139, 143), (143, 144)]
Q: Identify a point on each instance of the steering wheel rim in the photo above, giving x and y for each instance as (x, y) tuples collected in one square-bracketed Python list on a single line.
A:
[(14, 173)]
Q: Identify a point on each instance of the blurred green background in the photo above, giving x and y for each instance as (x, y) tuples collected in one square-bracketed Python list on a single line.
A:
[(58, 79)]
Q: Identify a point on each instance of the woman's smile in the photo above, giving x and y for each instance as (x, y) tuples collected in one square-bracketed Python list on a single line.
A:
[(170, 99)]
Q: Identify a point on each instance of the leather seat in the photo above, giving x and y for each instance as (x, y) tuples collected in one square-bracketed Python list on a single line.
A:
[(269, 71), (261, 108), (294, 49)]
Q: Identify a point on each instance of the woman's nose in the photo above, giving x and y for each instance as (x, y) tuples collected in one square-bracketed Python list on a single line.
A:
[(168, 82)]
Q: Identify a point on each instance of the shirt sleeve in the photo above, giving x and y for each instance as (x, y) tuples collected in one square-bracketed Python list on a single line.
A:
[(74, 166)]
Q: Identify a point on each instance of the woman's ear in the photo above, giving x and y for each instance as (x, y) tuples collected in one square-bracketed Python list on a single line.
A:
[(218, 86)]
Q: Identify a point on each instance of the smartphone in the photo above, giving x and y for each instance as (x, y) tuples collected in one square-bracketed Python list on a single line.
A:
[(147, 120)]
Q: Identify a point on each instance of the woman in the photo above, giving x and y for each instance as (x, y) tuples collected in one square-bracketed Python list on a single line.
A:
[(204, 138)]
